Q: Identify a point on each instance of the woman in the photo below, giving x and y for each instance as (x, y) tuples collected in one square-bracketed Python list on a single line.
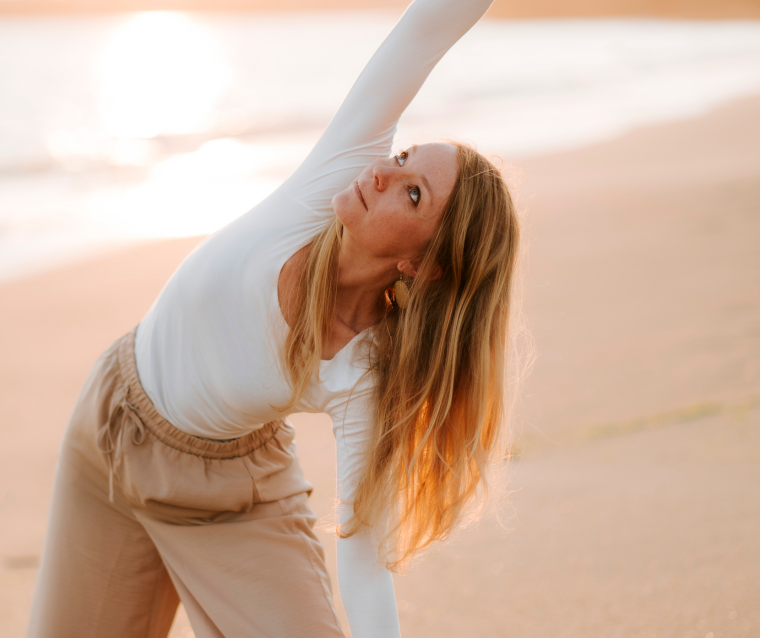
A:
[(178, 475)]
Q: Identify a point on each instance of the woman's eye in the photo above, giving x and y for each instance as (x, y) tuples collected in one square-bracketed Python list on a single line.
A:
[(414, 193), (401, 158)]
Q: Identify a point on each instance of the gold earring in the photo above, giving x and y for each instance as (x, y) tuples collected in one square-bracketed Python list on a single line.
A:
[(402, 292)]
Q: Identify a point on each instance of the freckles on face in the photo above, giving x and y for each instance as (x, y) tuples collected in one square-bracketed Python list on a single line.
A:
[(395, 206)]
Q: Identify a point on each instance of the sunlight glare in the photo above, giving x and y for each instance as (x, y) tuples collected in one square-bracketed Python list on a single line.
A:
[(196, 193), (160, 73)]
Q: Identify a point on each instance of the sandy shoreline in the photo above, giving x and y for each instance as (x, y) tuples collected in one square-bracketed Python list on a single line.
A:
[(641, 293)]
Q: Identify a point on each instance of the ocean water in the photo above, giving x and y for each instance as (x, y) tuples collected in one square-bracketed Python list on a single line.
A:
[(166, 124)]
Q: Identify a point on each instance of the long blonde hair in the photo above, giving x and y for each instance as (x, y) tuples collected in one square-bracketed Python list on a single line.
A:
[(439, 365)]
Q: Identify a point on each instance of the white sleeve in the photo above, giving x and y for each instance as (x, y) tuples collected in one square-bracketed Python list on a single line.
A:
[(363, 128), (366, 587)]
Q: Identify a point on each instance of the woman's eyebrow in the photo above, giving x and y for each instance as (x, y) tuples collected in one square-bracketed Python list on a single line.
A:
[(423, 179)]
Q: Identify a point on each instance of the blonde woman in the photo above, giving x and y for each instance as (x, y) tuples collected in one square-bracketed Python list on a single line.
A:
[(373, 288)]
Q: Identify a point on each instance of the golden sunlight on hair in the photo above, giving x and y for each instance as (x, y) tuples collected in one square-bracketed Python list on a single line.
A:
[(440, 366)]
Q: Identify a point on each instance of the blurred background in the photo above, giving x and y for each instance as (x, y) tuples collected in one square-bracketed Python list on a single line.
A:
[(630, 134)]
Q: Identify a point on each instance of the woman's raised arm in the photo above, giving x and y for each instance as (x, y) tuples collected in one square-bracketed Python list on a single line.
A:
[(363, 128)]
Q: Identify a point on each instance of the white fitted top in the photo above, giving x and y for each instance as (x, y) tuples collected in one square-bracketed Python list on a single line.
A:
[(208, 350)]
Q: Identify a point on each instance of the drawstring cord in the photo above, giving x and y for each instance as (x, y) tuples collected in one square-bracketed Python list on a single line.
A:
[(110, 435)]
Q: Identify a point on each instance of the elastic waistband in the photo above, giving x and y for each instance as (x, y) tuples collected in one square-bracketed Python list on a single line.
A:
[(169, 434)]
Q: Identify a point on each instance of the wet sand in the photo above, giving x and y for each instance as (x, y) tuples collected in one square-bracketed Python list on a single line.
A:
[(634, 509)]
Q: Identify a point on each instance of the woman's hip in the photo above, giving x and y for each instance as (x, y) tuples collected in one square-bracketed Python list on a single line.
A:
[(144, 460)]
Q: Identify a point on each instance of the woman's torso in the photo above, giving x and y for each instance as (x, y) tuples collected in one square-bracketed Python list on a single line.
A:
[(208, 350)]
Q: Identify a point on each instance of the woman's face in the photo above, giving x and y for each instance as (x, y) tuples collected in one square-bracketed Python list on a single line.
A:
[(395, 206)]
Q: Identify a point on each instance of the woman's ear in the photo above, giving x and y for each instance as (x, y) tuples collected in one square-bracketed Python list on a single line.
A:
[(437, 272), (411, 269)]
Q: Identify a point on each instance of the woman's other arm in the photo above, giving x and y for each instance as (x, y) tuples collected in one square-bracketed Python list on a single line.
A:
[(366, 587)]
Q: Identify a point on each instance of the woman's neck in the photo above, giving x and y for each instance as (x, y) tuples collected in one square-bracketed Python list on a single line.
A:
[(362, 279)]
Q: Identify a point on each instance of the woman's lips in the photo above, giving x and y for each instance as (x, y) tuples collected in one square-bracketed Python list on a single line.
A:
[(359, 194)]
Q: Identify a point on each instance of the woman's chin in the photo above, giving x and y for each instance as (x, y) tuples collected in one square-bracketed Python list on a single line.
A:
[(344, 205), (339, 203)]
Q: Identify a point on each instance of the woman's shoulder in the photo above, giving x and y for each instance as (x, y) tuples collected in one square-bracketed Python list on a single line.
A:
[(265, 238), (288, 280)]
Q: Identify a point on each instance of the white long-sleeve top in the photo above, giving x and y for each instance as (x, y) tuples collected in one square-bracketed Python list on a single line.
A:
[(208, 349)]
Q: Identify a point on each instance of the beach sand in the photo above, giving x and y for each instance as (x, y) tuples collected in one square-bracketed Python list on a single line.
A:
[(634, 508)]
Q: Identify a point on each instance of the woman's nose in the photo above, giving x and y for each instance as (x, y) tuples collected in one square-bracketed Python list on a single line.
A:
[(383, 176)]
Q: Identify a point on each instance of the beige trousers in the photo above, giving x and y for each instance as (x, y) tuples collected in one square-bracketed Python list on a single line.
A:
[(144, 515)]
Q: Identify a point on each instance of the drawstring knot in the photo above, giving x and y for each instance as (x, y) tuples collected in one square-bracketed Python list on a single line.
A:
[(110, 435)]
